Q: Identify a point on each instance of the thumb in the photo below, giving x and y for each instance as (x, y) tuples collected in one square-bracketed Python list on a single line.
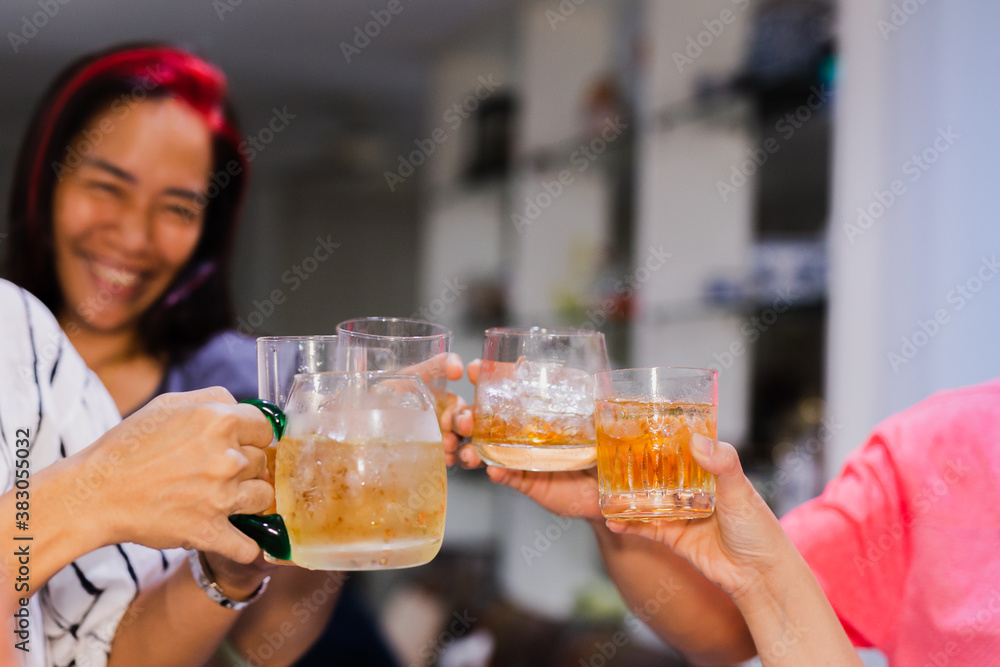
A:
[(732, 488)]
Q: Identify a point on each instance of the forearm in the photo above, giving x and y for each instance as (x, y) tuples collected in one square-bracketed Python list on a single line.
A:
[(172, 624), (791, 620), (56, 528), (692, 614), (290, 617)]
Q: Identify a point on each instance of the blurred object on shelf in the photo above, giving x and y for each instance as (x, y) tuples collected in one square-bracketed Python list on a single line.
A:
[(793, 267), (487, 305), (790, 54), (788, 45), (603, 103), (411, 621), (493, 125), (429, 608), (785, 273)]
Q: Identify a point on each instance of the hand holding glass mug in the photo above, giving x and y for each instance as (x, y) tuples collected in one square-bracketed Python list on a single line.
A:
[(201, 458), (360, 481)]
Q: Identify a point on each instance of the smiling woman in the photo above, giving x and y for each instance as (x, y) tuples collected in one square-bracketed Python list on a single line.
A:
[(120, 224), (111, 192)]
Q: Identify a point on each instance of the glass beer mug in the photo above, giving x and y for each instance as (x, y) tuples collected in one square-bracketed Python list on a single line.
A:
[(360, 480)]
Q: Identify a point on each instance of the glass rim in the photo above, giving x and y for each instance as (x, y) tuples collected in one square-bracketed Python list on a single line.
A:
[(548, 332), (695, 371), (392, 375), (276, 339), (444, 332)]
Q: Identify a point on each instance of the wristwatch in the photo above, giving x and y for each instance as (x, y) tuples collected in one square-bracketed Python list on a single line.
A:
[(206, 581)]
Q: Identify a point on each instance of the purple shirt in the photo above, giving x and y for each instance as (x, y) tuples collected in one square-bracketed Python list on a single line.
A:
[(228, 359)]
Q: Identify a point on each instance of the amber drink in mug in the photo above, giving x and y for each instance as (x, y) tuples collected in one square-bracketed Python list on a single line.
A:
[(360, 480)]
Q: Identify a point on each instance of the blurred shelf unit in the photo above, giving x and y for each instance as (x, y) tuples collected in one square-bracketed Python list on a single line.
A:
[(575, 181), (613, 184)]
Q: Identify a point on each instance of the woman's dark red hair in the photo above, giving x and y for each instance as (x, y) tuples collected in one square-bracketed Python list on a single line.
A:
[(197, 304)]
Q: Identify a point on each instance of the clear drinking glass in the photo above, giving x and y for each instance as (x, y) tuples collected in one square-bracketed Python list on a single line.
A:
[(360, 478), (534, 406), (645, 419), (279, 360), (397, 344)]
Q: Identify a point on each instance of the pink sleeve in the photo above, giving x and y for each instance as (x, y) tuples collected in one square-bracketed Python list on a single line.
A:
[(855, 538)]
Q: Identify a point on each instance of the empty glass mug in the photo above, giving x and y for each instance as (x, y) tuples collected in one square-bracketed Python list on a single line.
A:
[(397, 344)]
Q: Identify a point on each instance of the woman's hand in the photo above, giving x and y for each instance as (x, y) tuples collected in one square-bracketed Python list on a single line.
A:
[(735, 546), (743, 549), (173, 472)]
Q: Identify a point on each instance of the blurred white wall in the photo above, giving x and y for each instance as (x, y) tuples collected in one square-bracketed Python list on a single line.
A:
[(916, 109), (679, 208)]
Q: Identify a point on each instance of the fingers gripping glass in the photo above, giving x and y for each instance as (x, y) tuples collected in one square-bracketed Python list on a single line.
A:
[(267, 530), (360, 480)]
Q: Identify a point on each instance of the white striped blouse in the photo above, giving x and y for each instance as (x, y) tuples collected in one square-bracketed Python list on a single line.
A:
[(47, 390)]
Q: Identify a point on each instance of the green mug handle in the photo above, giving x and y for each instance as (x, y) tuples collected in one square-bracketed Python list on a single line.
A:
[(268, 531)]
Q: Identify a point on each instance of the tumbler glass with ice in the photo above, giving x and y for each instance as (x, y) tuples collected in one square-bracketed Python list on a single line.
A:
[(534, 406)]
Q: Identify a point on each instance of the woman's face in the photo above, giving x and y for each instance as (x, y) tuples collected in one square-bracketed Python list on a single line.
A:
[(128, 218)]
